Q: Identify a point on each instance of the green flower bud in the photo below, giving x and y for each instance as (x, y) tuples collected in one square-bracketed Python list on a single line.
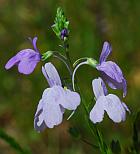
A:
[(60, 24), (92, 62), (47, 55)]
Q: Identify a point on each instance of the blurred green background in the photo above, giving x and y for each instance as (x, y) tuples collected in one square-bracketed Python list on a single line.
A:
[(91, 23)]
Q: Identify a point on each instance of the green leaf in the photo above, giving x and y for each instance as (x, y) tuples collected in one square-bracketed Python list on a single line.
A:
[(135, 136), (74, 132), (115, 147), (11, 141)]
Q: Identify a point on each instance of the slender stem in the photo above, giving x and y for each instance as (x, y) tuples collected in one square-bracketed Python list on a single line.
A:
[(95, 131), (87, 142), (64, 61), (83, 63), (59, 54), (67, 54), (78, 60)]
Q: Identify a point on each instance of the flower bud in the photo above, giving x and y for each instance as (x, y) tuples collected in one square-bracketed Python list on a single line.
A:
[(47, 55), (64, 34), (92, 62)]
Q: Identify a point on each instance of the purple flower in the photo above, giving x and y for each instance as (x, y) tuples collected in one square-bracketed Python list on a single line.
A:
[(110, 103), (54, 101), (64, 33), (26, 59), (110, 71)]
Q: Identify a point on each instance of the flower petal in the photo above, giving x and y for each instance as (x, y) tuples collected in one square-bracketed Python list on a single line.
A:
[(49, 110), (28, 54), (112, 74), (52, 114), (39, 123), (40, 127), (66, 98), (39, 108), (112, 70), (70, 99), (51, 74), (13, 61), (97, 112), (34, 44), (105, 52), (98, 88), (111, 82), (104, 88), (114, 108), (126, 107), (27, 67), (50, 81), (124, 87)]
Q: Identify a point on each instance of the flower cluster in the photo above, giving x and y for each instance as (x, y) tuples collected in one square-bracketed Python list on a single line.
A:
[(58, 98), (55, 99), (112, 74)]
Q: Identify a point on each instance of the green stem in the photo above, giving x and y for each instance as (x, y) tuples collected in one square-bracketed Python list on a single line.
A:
[(64, 61), (95, 132), (67, 55)]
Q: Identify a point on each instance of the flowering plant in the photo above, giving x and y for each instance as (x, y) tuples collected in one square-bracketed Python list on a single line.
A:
[(59, 98)]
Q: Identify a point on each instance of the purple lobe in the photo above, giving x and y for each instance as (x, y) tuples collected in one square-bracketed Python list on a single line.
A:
[(105, 52), (34, 44), (13, 61), (111, 69), (64, 33), (27, 67)]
